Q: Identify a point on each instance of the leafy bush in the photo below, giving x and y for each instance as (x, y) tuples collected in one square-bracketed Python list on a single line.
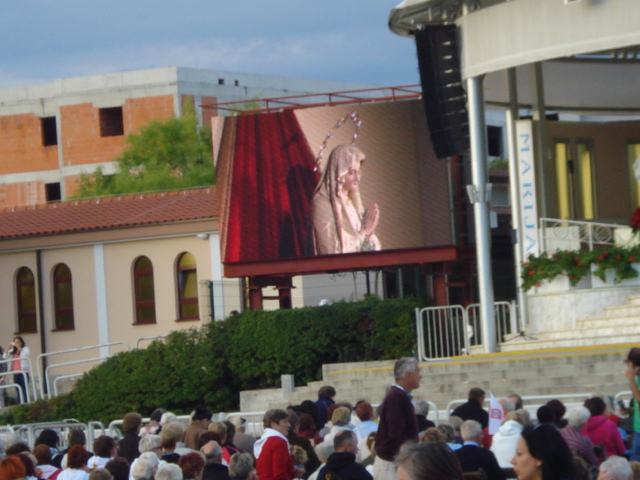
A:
[(249, 351)]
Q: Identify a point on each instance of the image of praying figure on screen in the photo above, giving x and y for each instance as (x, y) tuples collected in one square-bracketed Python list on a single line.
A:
[(340, 222)]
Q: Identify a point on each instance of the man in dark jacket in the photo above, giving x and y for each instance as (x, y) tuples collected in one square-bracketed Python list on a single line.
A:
[(213, 469), (325, 400), (472, 410), (473, 457), (342, 465)]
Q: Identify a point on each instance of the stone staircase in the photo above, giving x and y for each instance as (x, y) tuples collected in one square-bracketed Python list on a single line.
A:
[(559, 371), (612, 325)]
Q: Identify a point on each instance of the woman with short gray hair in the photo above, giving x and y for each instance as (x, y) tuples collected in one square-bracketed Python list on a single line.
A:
[(572, 434)]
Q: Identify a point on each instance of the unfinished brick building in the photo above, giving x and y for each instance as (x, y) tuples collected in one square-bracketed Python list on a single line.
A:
[(54, 132)]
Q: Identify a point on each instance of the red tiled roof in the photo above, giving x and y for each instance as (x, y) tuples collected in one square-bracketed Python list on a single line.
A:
[(108, 213)]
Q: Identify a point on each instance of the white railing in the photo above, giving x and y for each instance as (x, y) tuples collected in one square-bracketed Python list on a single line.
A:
[(45, 378), (449, 331), (558, 234), (29, 381)]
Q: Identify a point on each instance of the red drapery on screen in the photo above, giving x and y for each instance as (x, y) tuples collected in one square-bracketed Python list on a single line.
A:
[(271, 188)]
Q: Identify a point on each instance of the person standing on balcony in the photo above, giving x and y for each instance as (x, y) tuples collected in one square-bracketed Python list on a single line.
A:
[(19, 352), (398, 422)]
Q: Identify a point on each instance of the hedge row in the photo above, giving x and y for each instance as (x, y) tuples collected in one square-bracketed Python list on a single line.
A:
[(249, 351)]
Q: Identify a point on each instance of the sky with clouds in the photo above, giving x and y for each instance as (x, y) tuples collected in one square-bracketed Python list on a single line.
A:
[(346, 40)]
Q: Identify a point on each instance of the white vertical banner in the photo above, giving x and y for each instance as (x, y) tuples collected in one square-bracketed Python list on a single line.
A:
[(527, 189), (496, 415)]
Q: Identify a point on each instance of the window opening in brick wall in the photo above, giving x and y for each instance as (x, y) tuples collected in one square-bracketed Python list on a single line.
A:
[(49, 131), (111, 122), (221, 81), (53, 191)]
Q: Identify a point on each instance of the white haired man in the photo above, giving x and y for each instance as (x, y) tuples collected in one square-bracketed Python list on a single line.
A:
[(615, 468), (473, 457), (398, 421)]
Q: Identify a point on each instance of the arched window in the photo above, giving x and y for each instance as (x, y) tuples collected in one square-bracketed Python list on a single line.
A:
[(144, 292), (63, 298), (186, 276), (26, 300)]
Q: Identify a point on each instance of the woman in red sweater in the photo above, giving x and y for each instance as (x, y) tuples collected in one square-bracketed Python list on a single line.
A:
[(273, 460)]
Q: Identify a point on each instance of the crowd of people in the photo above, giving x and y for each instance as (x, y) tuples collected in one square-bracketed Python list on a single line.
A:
[(327, 439)]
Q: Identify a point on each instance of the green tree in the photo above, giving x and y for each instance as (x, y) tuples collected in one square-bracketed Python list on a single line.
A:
[(165, 155)]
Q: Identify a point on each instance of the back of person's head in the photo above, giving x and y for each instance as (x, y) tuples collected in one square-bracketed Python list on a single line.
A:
[(456, 422), (422, 407), (42, 452), (341, 416), (219, 427), (231, 430), (201, 413), (118, 468), (168, 417), (146, 466), (595, 405), (49, 437), (76, 436), (16, 448), (476, 393), (433, 434), (12, 468), (323, 450), (617, 467), (546, 444), (344, 438), (100, 474), (77, 457), (306, 422), (240, 466), (309, 407), (103, 446), (330, 409), (448, 432), (29, 463), (517, 401), (521, 416), (131, 422), (327, 391), (156, 415), (149, 443), (470, 430), (429, 461), (634, 356), (191, 464), (173, 430), (545, 415), (635, 469), (364, 411), (507, 405), (168, 471), (558, 408), (294, 420), (212, 451), (275, 415), (207, 437), (578, 416), (403, 366)]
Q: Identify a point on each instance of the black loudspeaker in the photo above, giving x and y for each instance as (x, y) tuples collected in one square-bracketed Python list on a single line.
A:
[(444, 97)]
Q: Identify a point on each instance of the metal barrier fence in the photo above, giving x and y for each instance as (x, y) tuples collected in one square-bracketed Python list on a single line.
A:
[(45, 380), (445, 332), (29, 381)]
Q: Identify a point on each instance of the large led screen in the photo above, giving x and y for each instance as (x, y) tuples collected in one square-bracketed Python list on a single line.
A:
[(330, 181)]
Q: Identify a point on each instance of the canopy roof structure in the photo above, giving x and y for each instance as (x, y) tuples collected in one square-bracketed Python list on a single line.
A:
[(590, 49)]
